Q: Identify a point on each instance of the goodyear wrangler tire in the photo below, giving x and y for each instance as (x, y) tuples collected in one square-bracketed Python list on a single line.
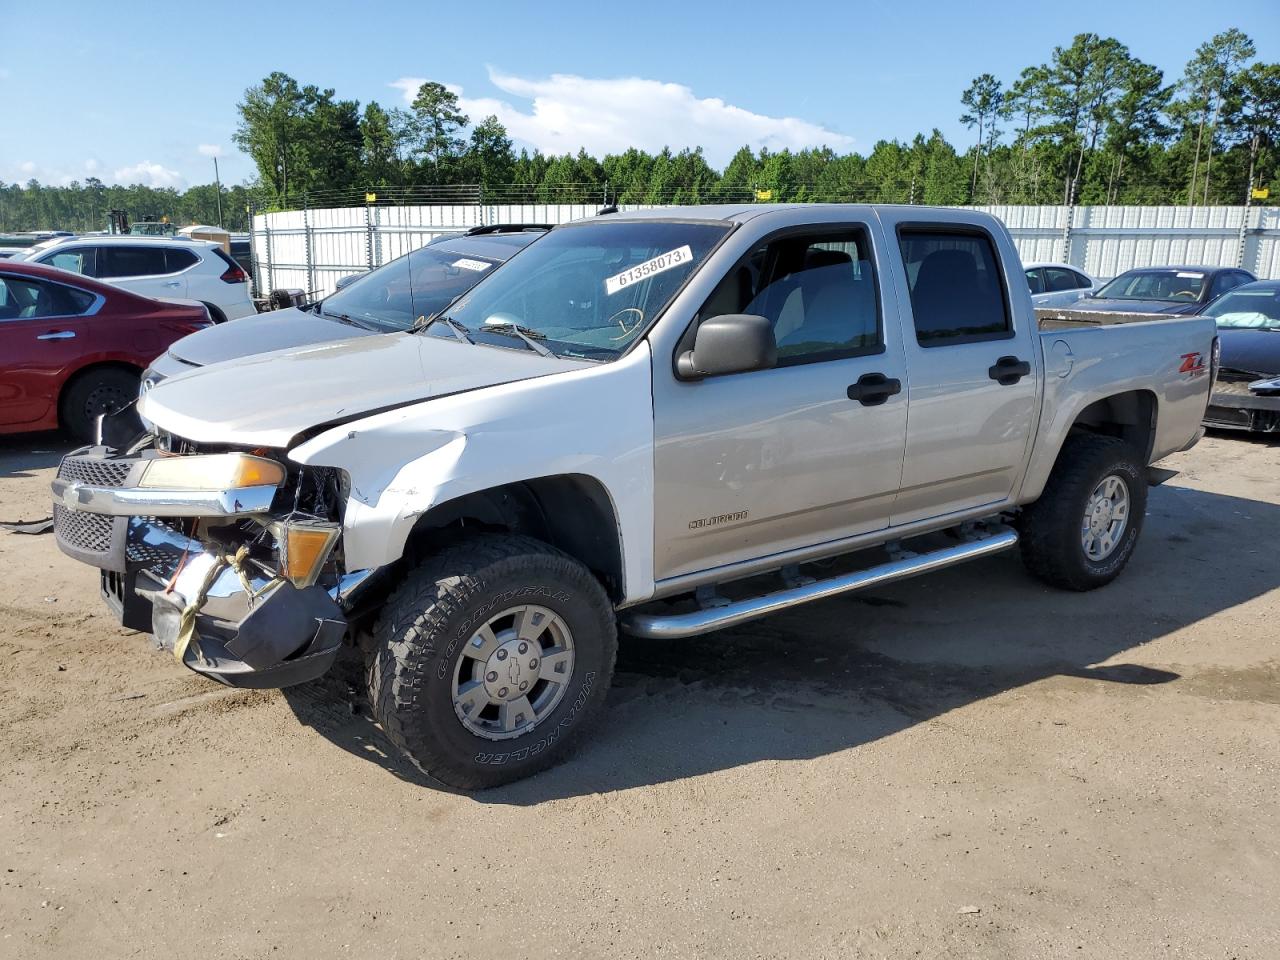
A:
[(1082, 531), (490, 659)]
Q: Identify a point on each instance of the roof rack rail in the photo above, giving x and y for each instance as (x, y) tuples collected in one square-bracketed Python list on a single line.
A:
[(507, 228)]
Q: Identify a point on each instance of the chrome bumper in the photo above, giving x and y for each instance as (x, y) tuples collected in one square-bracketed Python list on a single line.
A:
[(251, 629), (139, 501)]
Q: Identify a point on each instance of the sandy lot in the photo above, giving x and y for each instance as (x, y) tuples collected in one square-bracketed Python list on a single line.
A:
[(971, 765)]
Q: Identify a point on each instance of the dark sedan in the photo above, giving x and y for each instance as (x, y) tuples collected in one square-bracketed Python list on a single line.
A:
[(1165, 289), (1247, 395)]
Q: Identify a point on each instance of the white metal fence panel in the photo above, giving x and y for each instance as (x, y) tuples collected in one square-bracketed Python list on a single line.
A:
[(312, 249)]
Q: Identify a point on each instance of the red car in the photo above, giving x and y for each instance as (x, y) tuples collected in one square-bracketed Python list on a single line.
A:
[(72, 348)]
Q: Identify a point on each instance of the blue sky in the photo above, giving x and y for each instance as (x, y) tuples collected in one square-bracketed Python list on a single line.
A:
[(146, 92)]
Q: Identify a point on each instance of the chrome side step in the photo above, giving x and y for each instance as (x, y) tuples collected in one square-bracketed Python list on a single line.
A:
[(675, 626)]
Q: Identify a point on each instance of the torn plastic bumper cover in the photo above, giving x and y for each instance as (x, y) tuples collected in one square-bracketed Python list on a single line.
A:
[(225, 620)]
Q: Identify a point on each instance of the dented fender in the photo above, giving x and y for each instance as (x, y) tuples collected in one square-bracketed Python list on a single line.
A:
[(596, 422)]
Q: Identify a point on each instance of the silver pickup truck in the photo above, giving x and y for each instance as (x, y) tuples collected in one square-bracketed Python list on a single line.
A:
[(669, 422)]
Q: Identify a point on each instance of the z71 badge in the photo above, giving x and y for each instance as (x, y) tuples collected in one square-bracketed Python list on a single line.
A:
[(1193, 365)]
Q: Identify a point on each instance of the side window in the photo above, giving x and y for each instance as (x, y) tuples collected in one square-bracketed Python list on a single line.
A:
[(819, 292), (954, 281), (1035, 280), (1082, 282), (77, 260), (131, 262), (24, 299), (1060, 279), (176, 260)]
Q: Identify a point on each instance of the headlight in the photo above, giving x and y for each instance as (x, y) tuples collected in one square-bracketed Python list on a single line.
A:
[(304, 546), (216, 471)]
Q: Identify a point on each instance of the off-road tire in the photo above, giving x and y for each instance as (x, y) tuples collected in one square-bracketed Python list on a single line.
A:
[(431, 616), (1050, 528), (94, 392)]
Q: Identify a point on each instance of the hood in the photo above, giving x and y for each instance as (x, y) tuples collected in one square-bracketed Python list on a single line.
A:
[(1251, 351), (1106, 305), (261, 333), (268, 399)]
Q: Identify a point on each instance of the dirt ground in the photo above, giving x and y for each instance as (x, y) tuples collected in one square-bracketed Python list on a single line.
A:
[(971, 765)]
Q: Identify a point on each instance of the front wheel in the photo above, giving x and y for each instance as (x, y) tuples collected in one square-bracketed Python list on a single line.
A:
[(490, 659), (1081, 532)]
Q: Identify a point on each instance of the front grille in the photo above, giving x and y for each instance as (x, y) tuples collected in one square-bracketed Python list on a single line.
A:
[(91, 537), (86, 532), (95, 471)]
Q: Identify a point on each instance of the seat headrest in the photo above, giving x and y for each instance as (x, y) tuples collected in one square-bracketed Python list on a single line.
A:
[(817, 257)]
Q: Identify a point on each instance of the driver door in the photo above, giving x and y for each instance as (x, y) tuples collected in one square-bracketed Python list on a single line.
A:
[(757, 463)]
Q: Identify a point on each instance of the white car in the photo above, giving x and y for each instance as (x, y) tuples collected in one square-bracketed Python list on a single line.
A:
[(163, 267), (1058, 284)]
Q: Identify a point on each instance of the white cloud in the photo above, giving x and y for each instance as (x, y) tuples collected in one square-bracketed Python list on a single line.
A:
[(149, 174), (608, 116), (209, 150), (27, 166), (91, 165), (408, 87)]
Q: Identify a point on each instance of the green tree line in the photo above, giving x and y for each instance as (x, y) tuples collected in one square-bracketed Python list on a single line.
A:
[(1094, 124), (84, 206)]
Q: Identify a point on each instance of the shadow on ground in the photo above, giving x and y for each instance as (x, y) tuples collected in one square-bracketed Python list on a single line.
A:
[(23, 454), (834, 675)]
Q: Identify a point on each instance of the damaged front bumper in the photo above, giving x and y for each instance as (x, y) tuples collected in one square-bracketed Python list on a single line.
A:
[(1239, 409), (221, 613)]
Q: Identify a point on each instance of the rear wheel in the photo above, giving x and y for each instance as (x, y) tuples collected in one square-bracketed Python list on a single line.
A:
[(1081, 532), (93, 393), (490, 659)]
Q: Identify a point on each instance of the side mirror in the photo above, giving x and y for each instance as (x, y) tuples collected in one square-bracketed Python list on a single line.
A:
[(730, 343)]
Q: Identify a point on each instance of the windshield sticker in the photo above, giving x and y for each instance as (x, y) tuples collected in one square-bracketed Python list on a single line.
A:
[(476, 265), (663, 261), (1192, 276)]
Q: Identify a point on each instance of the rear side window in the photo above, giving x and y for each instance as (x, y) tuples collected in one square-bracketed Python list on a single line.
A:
[(955, 286), (819, 292), (1035, 280), (131, 262), (1060, 279), (175, 260), (30, 299)]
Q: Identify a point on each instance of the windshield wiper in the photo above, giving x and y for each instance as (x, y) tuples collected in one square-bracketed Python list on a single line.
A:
[(459, 330), (531, 337), (345, 318)]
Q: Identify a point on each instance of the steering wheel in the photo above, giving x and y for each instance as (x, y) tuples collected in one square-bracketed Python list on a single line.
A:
[(626, 331), (1189, 294)]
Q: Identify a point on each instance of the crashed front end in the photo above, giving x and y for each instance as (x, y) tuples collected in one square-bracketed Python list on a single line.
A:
[(1243, 400), (231, 558)]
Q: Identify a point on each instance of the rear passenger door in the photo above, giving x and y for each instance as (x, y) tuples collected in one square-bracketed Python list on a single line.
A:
[(764, 461), (140, 268), (972, 366)]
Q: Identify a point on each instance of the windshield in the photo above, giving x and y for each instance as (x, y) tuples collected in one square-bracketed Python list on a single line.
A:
[(589, 290), (1245, 308), (1174, 285), (417, 285)]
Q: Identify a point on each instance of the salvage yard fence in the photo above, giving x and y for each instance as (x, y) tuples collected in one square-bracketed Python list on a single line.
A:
[(312, 248)]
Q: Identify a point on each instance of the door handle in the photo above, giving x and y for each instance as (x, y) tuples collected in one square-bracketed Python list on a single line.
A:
[(173, 283), (1009, 370), (873, 389), (58, 335)]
